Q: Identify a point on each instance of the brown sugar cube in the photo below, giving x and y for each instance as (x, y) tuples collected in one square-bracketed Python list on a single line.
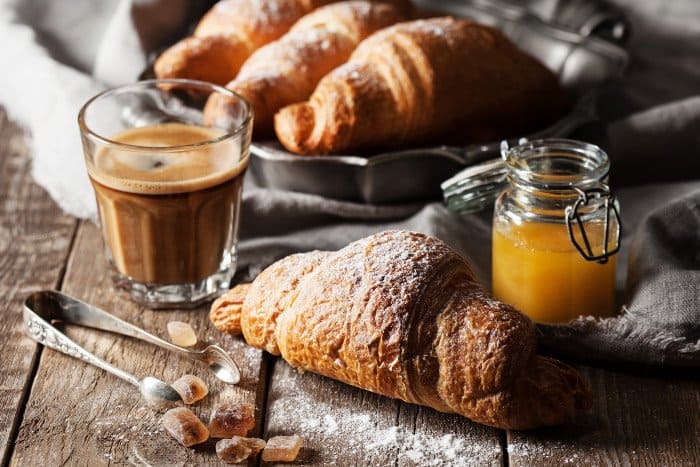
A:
[(190, 388), (238, 449), (229, 420), (181, 334), (282, 449), (185, 427)]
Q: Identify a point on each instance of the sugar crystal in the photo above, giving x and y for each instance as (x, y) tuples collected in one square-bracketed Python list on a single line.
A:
[(190, 388), (185, 427), (181, 334), (229, 420), (238, 449), (282, 449)]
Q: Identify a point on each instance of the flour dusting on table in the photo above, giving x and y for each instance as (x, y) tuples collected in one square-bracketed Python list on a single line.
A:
[(332, 431)]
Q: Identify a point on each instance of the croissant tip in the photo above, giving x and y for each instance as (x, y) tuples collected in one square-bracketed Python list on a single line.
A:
[(293, 125), (225, 312)]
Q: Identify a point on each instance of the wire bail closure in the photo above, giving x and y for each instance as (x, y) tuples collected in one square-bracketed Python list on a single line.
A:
[(573, 216), (505, 147)]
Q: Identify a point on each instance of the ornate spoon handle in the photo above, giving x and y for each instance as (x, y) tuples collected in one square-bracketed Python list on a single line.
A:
[(39, 305)]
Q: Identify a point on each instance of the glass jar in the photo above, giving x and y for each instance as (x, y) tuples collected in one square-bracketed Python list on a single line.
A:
[(556, 228)]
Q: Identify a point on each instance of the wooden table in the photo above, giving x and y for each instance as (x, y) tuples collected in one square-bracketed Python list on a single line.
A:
[(55, 410)]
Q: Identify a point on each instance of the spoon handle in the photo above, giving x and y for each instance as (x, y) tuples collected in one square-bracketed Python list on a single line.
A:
[(44, 333), (74, 311), (52, 305)]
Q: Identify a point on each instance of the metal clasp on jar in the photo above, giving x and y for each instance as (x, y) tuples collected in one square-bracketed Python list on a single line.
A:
[(573, 215)]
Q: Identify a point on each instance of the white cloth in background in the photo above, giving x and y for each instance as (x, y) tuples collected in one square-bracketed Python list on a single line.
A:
[(56, 55)]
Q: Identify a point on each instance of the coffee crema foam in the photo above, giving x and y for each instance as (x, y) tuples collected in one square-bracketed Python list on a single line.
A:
[(166, 172)]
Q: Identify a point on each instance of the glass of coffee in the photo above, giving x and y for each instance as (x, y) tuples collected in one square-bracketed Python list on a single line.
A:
[(167, 176)]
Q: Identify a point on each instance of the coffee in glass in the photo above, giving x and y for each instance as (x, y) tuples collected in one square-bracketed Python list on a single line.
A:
[(168, 187)]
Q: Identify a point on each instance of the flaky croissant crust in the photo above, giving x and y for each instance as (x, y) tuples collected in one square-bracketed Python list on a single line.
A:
[(400, 314), (421, 81), (227, 35), (287, 70)]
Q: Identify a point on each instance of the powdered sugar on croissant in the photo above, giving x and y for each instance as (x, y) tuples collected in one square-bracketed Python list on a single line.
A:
[(227, 35), (287, 70), (401, 314), (417, 81)]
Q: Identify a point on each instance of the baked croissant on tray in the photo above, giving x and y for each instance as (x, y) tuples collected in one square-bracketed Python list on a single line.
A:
[(287, 70), (227, 35), (231, 31), (417, 81), (401, 314)]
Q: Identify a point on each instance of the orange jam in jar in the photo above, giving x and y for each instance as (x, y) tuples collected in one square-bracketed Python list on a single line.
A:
[(536, 270), (555, 232), (556, 226)]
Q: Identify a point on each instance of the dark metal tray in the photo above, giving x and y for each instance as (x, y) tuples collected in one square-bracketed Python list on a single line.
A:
[(390, 177), (582, 61)]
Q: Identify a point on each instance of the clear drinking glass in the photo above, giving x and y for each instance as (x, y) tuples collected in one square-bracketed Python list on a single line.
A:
[(168, 175)]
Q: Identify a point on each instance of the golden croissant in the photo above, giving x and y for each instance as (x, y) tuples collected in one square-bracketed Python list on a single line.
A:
[(421, 81), (401, 314), (287, 70), (227, 35)]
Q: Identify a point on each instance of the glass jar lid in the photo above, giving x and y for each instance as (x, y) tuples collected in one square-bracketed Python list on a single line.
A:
[(475, 188), (573, 171), (534, 163)]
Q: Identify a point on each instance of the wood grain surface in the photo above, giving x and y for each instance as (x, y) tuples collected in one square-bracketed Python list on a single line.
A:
[(637, 419), (59, 411), (35, 239), (76, 412)]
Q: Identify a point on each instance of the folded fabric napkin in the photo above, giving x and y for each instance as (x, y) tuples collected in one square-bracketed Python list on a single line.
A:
[(660, 322), (650, 125)]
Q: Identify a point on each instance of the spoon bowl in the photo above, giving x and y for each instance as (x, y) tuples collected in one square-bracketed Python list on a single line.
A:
[(159, 394), (220, 363)]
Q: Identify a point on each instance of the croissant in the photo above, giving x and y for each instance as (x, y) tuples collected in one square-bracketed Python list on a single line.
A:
[(212, 58), (400, 314), (287, 70), (416, 81), (227, 35)]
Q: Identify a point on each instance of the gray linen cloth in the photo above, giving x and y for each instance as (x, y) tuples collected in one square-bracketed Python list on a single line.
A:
[(650, 125)]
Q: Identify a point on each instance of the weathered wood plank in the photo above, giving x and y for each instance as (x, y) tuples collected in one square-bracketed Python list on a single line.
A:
[(35, 239), (344, 426), (78, 415), (645, 420)]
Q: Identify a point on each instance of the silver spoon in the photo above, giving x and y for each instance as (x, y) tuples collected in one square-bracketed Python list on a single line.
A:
[(53, 305), (155, 392)]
